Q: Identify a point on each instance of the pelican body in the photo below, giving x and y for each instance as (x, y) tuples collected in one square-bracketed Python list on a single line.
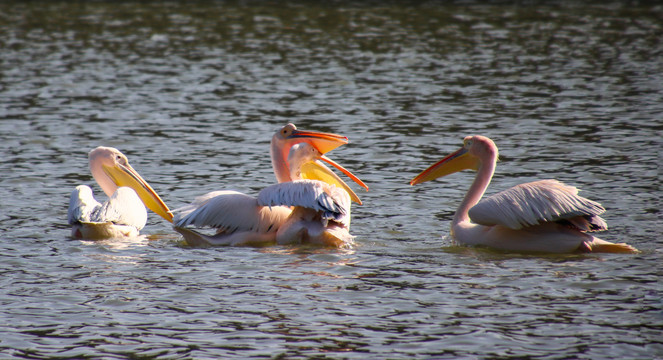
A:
[(278, 214), (320, 211), (124, 214), (540, 216)]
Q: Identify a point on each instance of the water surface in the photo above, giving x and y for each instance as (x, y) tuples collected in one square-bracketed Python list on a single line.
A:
[(192, 92)]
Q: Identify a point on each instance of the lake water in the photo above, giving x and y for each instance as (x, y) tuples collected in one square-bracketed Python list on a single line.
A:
[(192, 93)]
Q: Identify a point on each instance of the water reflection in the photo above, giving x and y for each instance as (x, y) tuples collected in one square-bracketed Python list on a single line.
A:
[(118, 243)]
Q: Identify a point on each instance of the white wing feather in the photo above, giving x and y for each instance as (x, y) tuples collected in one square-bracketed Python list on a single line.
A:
[(312, 194), (535, 203), (229, 211), (123, 208), (81, 205)]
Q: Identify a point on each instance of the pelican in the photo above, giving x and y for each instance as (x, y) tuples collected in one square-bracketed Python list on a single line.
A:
[(320, 211), (239, 219), (124, 214), (288, 136), (539, 216)]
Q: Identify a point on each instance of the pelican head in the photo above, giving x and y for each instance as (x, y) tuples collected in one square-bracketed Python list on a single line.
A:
[(324, 142), (304, 160), (476, 150), (288, 136), (299, 156), (111, 169)]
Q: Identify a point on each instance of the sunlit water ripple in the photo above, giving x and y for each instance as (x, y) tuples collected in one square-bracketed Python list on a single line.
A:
[(192, 93)]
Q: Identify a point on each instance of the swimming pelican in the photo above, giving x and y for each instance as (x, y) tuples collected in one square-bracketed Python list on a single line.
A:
[(124, 214), (539, 216), (320, 211), (238, 218)]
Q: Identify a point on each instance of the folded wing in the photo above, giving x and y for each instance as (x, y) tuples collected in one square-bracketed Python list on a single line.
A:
[(123, 208), (81, 205), (228, 212), (538, 202), (332, 202)]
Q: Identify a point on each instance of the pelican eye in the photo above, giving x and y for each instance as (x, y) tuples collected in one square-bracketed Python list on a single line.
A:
[(121, 159)]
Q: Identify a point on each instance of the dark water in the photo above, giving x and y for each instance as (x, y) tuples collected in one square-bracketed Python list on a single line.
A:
[(192, 91)]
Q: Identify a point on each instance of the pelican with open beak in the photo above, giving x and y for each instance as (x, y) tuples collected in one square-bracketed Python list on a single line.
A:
[(320, 209), (124, 214), (240, 219)]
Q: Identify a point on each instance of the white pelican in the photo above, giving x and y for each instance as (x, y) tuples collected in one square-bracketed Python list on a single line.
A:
[(540, 216), (238, 218), (320, 211), (124, 214), (288, 136)]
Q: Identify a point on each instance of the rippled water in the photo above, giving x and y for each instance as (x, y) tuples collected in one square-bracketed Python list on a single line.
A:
[(192, 92)]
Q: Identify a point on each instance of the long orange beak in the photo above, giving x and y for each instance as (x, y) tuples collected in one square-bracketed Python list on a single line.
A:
[(322, 141), (345, 171), (316, 170), (455, 162)]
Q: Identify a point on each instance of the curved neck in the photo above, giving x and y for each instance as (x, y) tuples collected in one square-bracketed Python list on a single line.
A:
[(279, 162), (474, 194), (105, 183)]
